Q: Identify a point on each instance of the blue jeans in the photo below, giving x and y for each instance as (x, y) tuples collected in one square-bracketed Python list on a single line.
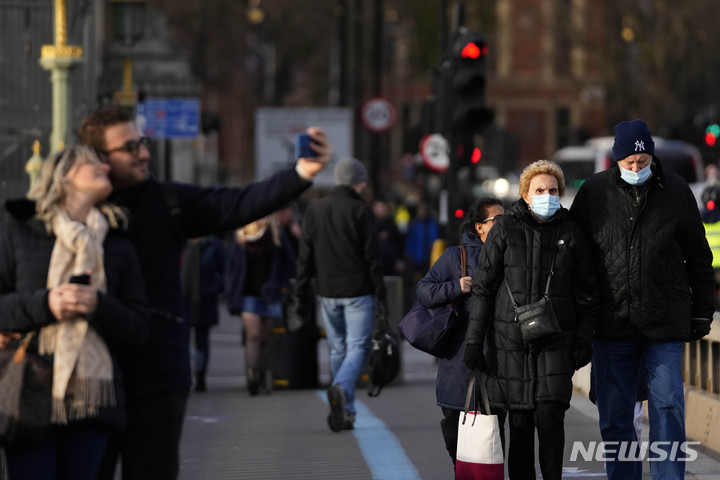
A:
[(348, 325), (615, 365)]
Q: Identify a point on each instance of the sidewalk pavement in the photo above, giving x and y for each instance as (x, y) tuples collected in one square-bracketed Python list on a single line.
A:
[(231, 435)]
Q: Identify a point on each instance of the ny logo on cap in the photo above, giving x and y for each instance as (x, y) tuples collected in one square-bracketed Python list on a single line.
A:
[(639, 146)]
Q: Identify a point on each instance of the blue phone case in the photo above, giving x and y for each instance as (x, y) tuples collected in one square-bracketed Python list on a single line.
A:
[(302, 146)]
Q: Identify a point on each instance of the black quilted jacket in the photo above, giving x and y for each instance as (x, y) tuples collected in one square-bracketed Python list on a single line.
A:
[(520, 249), (653, 262)]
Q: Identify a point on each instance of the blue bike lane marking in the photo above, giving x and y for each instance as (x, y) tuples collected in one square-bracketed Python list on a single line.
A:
[(382, 451)]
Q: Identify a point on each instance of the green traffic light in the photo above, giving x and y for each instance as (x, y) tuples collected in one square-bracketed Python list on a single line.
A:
[(713, 129)]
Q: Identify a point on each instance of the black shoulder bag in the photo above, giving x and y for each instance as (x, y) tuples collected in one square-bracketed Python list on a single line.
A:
[(537, 320)]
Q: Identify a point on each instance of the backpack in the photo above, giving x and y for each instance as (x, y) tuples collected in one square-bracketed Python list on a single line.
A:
[(383, 359)]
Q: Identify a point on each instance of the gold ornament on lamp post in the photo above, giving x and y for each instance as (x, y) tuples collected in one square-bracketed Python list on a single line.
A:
[(129, 25), (59, 59), (34, 164)]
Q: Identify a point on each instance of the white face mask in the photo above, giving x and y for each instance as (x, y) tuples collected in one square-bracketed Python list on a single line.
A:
[(545, 206), (636, 178)]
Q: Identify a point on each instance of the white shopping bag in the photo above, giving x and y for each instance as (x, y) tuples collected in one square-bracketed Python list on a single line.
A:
[(479, 449)]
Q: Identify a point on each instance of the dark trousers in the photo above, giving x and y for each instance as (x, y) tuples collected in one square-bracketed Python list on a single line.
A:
[(149, 447), (70, 452), (549, 420), (449, 428), (202, 347)]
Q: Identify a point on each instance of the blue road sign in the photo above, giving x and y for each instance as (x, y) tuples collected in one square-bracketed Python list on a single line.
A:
[(169, 117)]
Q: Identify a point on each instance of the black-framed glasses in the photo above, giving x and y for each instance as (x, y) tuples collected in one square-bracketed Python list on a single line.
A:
[(131, 146), (489, 219)]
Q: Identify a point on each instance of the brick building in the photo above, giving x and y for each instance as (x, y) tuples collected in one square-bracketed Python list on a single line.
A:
[(546, 85)]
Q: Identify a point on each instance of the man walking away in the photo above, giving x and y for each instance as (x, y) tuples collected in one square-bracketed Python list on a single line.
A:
[(338, 246)]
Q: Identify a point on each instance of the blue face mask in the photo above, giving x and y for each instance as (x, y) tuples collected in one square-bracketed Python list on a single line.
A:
[(545, 206), (636, 178)]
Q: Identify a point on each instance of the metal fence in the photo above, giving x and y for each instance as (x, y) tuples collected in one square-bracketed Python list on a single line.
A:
[(701, 361), (25, 89)]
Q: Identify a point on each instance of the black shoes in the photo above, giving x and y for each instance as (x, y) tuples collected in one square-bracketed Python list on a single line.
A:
[(253, 381), (200, 381), (349, 421), (336, 398), (256, 382)]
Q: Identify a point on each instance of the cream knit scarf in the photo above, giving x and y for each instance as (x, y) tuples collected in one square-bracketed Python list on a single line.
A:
[(82, 367)]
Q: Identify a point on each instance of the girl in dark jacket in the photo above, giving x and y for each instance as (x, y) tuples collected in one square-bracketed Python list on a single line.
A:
[(533, 381), (444, 284), (69, 231), (261, 263)]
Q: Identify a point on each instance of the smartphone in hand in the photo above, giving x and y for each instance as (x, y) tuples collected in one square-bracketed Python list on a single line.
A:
[(83, 279), (302, 146)]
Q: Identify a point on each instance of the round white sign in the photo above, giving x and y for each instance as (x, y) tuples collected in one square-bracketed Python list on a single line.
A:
[(378, 115), (435, 152)]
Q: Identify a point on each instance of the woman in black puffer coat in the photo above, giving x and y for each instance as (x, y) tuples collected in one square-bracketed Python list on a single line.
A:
[(442, 285), (533, 382)]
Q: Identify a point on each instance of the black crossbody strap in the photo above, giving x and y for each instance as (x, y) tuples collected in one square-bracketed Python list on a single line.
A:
[(551, 273)]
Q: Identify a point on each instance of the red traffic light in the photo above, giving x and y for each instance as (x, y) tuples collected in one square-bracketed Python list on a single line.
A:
[(459, 213), (473, 50), (476, 155), (710, 205), (710, 139)]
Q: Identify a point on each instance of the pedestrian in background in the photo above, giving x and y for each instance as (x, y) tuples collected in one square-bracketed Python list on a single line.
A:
[(338, 247), (422, 232), (534, 241), (656, 278), (444, 284), (203, 280), (710, 215), (390, 241), (290, 226), (164, 215), (67, 229), (261, 263)]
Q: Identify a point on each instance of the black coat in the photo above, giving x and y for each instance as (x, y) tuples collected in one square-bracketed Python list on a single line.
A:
[(339, 247), (652, 259), (121, 317), (520, 250), (163, 365), (441, 286)]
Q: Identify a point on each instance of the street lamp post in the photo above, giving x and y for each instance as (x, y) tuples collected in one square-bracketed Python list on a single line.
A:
[(59, 59), (129, 25)]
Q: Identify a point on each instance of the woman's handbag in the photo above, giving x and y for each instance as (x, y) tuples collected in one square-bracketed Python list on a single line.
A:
[(479, 448), (427, 328), (536, 320), (25, 395)]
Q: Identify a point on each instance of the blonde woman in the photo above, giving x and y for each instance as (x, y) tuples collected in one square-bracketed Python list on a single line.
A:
[(533, 382), (261, 263), (66, 230)]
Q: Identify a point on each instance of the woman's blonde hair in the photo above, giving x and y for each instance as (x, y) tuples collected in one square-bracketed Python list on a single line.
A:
[(252, 231), (538, 168), (49, 190)]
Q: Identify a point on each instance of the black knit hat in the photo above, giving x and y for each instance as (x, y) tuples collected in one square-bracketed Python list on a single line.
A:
[(632, 137)]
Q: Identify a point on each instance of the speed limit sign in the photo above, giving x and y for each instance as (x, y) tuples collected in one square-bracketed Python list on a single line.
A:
[(435, 152), (378, 115)]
